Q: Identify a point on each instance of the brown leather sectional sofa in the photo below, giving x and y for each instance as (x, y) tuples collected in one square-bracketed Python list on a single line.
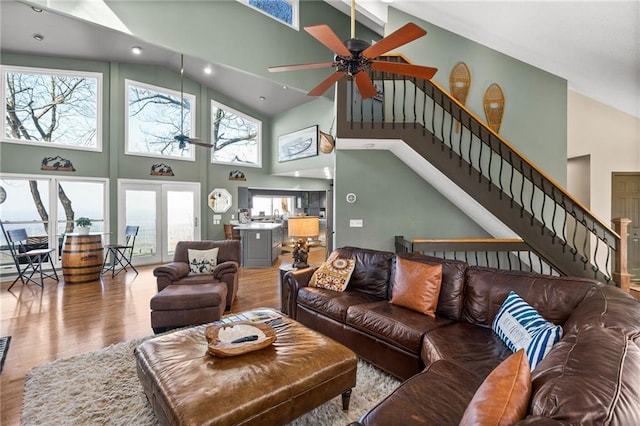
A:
[(591, 376)]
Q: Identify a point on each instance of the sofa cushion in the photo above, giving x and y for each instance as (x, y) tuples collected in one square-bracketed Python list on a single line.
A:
[(436, 396), (451, 290), (503, 398), (395, 324), (372, 271), (333, 274), (555, 298), (589, 378), (478, 349), (416, 286), (202, 261), (522, 327), (331, 303)]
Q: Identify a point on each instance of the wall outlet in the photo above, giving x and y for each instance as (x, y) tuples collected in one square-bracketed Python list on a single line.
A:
[(356, 223)]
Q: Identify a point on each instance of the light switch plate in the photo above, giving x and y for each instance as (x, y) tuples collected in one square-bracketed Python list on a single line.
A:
[(356, 223), (217, 216)]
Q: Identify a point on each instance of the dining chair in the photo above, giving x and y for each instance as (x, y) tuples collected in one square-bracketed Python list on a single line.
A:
[(228, 232), (29, 262), (120, 254)]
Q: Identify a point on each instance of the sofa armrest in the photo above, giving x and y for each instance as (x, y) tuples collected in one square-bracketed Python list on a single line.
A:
[(174, 270), (295, 280), (228, 267)]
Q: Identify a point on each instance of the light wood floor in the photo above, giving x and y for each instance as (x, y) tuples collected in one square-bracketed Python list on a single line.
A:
[(66, 320)]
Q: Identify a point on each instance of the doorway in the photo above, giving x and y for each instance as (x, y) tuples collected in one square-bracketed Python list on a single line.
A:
[(625, 202), (167, 212)]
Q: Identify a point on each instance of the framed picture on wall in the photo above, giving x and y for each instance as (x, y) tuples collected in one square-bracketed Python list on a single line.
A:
[(299, 144)]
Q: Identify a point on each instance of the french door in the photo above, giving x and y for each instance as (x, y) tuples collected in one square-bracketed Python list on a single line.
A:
[(166, 212)]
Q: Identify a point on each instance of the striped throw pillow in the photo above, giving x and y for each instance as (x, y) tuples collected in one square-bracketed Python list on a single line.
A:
[(522, 327)]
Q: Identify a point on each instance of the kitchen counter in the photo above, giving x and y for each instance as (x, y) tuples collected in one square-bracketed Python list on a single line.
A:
[(261, 243), (257, 225)]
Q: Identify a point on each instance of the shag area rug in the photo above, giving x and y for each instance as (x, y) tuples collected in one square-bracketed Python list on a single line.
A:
[(4, 349), (102, 387)]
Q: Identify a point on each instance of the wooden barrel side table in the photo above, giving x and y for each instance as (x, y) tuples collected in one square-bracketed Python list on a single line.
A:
[(82, 257)]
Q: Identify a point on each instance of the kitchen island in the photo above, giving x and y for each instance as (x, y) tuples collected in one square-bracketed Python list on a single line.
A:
[(261, 243)]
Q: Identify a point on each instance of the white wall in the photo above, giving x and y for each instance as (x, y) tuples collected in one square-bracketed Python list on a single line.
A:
[(610, 137)]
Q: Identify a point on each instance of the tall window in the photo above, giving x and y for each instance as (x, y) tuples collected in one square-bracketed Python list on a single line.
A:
[(236, 137), (52, 107), (154, 119), (272, 206), (285, 11)]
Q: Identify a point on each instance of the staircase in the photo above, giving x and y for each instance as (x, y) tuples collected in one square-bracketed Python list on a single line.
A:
[(557, 227)]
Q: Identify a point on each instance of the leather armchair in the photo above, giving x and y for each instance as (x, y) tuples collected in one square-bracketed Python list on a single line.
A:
[(177, 272)]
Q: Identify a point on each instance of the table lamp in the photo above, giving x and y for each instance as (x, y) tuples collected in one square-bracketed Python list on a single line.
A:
[(302, 227)]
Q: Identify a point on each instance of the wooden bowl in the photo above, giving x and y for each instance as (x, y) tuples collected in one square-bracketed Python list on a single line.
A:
[(219, 338)]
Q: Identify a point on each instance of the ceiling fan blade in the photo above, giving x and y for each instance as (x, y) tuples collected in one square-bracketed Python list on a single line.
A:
[(418, 71), (397, 38), (326, 36), (302, 66), (328, 82), (365, 85), (199, 143)]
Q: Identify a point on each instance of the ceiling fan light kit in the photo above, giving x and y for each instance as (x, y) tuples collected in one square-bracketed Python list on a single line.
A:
[(355, 57)]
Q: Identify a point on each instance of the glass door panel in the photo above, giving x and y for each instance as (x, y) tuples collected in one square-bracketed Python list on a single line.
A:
[(181, 216), (140, 210), (25, 205)]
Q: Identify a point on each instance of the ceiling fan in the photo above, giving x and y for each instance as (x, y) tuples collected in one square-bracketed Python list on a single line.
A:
[(183, 139), (355, 57)]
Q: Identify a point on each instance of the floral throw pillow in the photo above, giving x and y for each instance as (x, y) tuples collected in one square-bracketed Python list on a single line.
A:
[(333, 274), (203, 261)]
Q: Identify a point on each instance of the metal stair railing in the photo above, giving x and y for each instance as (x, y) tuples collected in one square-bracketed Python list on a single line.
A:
[(558, 227)]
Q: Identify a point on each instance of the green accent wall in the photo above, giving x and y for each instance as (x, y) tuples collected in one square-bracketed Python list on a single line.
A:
[(535, 112), (391, 200), (319, 112)]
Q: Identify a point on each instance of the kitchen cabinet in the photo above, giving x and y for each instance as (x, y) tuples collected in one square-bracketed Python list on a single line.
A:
[(244, 197), (314, 200), (261, 244)]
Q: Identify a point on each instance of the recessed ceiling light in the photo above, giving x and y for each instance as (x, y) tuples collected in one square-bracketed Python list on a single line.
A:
[(387, 1), (207, 70), (36, 9), (136, 50), (38, 37), (262, 98), (285, 87)]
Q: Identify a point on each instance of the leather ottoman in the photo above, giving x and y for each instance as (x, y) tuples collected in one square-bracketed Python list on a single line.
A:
[(301, 370), (181, 305)]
